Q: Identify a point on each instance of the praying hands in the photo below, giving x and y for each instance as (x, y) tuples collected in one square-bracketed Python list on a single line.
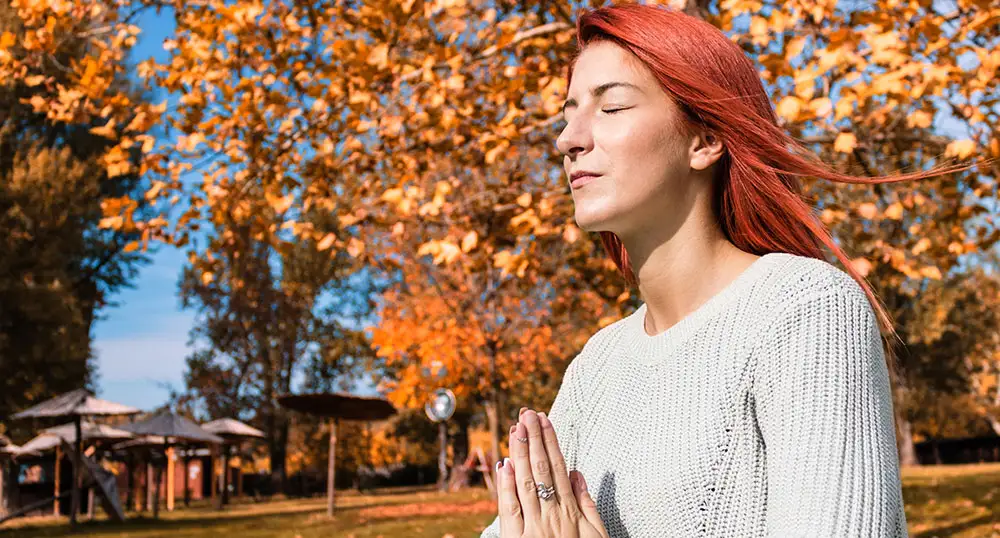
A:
[(537, 497)]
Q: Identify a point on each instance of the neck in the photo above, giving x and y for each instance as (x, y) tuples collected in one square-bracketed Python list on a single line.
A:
[(678, 273)]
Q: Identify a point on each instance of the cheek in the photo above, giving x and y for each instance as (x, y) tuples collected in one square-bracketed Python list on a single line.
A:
[(643, 153)]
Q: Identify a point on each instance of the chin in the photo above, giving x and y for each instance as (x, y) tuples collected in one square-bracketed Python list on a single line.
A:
[(595, 221)]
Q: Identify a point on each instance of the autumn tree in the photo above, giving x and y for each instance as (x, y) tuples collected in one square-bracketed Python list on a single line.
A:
[(262, 323), (427, 129), (62, 113)]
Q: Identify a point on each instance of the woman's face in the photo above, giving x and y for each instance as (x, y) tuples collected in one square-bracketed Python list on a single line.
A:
[(622, 127)]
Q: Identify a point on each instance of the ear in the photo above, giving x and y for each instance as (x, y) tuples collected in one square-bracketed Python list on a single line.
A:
[(706, 149)]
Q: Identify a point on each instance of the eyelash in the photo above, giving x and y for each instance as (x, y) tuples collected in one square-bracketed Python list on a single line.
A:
[(613, 110)]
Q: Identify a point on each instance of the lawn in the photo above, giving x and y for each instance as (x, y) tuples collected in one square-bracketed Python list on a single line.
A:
[(949, 501)]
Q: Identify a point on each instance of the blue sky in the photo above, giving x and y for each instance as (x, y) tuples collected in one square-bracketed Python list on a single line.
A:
[(141, 344)]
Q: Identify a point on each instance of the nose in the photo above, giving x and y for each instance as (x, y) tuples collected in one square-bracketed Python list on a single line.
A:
[(575, 138)]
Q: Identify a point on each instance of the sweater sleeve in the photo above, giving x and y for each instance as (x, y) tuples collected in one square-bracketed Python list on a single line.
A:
[(562, 414), (824, 408)]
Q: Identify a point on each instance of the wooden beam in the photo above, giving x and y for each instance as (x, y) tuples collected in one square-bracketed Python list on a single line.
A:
[(331, 471), (171, 479), (58, 467)]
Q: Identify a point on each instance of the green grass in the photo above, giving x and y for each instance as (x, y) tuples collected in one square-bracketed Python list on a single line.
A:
[(949, 501), (388, 513)]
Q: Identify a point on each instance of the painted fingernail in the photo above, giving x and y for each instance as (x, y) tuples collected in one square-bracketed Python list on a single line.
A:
[(506, 463), (521, 412)]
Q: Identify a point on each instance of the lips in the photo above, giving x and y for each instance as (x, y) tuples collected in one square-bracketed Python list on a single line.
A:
[(582, 179)]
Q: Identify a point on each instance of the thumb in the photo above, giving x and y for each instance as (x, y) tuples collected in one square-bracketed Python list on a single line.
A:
[(584, 500)]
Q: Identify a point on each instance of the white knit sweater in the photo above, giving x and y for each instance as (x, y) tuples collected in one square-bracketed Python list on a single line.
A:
[(765, 412)]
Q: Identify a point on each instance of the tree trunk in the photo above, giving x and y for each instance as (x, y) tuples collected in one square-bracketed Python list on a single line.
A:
[(904, 441), (460, 475)]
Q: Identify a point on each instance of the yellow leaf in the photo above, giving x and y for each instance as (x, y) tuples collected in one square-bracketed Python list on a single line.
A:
[(355, 247), (821, 107), (131, 246), (789, 108), (393, 196), (7, 40), (326, 242), (867, 210), (931, 272), (845, 143), (862, 266), (524, 200), (921, 246), (894, 211), (919, 119), (470, 241), (207, 278), (794, 47), (34, 80), (379, 56), (107, 131), (111, 222), (491, 155), (571, 233), (960, 148)]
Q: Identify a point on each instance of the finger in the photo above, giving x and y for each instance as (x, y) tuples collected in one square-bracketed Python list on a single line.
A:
[(557, 464), (541, 469), (509, 509), (524, 478), (584, 500)]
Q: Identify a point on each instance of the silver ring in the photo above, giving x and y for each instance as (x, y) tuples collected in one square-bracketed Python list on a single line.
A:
[(522, 439), (544, 492)]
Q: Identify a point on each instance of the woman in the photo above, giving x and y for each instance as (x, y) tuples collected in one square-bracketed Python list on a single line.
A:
[(749, 395)]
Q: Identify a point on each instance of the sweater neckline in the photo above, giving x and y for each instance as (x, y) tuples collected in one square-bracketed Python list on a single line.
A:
[(649, 349)]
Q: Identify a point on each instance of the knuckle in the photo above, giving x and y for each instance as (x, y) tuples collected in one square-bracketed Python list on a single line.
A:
[(560, 467), (542, 467), (514, 510), (527, 484)]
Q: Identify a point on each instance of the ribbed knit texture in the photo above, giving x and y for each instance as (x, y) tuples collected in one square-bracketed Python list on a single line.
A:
[(765, 412)]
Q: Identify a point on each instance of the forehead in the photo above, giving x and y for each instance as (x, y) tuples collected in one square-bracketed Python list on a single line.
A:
[(604, 61)]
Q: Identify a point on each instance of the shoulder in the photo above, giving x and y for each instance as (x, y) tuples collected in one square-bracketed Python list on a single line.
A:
[(598, 349), (799, 279)]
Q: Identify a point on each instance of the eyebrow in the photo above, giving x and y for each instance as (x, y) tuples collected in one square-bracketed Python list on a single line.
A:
[(599, 91)]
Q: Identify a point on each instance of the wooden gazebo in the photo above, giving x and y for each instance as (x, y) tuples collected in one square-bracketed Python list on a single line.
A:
[(336, 407)]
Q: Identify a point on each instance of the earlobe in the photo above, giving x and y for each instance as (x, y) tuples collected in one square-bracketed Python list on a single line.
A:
[(708, 150)]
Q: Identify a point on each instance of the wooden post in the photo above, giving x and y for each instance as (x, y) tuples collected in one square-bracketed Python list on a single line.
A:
[(225, 474), (149, 483), (442, 456), (90, 504), (171, 479), (58, 467), (214, 482), (187, 471), (331, 471), (77, 464), (239, 482)]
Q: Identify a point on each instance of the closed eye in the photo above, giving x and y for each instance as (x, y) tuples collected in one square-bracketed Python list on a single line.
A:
[(613, 110)]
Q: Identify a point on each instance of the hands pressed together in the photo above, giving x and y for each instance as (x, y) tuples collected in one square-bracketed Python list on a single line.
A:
[(538, 498)]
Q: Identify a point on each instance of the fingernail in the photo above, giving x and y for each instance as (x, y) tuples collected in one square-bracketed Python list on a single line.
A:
[(506, 463), (512, 429), (499, 464), (544, 420)]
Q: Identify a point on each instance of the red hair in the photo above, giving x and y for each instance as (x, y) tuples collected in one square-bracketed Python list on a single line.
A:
[(757, 199)]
